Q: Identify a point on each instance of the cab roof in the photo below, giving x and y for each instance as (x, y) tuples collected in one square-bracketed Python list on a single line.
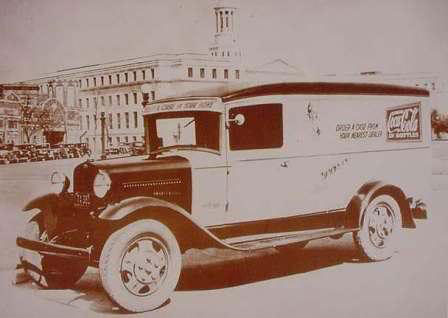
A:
[(232, 92)]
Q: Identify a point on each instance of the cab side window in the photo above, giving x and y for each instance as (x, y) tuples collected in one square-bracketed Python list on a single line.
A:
[(262, 127)]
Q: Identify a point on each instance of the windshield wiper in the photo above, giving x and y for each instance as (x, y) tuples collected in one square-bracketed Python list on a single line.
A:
[(190, 122)]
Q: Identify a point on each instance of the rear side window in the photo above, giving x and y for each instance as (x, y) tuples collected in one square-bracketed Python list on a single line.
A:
[(262, 127)]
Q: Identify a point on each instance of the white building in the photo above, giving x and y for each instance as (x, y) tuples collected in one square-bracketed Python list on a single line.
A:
[(114, 89)]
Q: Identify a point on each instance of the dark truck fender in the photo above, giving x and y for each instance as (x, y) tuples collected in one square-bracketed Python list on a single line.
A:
[(367, 193), (187, 231), (42, 202)]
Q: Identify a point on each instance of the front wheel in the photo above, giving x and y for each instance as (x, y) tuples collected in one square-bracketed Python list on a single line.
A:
[(380, 228), (140, 265)]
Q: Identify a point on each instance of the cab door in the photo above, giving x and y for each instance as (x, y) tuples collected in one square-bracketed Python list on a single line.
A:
[(256, 168)]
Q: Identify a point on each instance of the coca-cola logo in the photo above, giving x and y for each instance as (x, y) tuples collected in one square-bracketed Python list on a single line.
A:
[(403, 122)]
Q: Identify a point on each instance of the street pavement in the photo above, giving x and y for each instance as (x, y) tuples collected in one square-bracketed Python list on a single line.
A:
[(324, 279)]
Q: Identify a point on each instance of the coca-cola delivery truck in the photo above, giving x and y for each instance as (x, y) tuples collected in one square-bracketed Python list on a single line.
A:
[(266, 166)]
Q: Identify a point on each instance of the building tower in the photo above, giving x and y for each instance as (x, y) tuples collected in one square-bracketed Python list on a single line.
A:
[(225, 44)]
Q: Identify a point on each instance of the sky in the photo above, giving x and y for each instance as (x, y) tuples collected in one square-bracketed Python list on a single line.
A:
[(316, 36)]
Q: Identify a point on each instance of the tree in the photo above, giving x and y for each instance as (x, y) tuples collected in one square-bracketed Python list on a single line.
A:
[(45, 117)]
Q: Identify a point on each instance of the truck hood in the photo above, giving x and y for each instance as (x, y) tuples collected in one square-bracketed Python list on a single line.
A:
[(167, 178)]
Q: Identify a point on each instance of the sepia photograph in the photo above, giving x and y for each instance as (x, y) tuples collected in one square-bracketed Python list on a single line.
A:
[(224, 158)]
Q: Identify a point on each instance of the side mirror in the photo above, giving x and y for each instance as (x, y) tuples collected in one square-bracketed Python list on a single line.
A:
[(239, 119)]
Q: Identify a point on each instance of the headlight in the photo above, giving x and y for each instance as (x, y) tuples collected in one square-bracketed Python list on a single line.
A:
[(59, 182), (101, 184)]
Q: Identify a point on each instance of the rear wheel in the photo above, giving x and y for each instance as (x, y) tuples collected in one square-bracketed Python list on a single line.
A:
[(140, 265), (380, 228), (49, 271)]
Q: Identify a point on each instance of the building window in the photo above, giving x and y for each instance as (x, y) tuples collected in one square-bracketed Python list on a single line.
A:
[(135, 98), (88, 122), (126, 119), (152, 73), (135, 76), (109, 140), (135, 120), (144, 75), (87, 82), (126, 99), (134, 138), (126, 139), (94, 81), (118, 100), (95, 101), (95, 121), (119, 121), (1, 123), (102, 80), (80, 83), (226, 74), (126, 77), (190, 72), (118, 140), (237, 74), (202, 72), (110, 79), (118, 78), (214, 73), (12, 124), (111, 125), (87, 102), (110, 100), (102, 101), (153, 95), (80, 102)]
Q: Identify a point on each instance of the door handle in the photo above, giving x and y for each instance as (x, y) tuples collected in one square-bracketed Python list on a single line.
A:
[(284, 164)]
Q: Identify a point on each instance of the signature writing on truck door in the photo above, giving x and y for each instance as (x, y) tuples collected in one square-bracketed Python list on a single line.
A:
[(333, 169)]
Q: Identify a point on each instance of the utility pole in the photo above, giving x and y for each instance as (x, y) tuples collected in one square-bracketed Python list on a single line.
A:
[(103, 136)]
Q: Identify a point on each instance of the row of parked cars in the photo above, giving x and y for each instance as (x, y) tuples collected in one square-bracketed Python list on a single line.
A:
[(43, 152), (135, 148)]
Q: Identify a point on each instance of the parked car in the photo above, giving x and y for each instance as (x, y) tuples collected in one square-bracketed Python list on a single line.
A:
[(137, 148), (19, 156), (267, 166), (4, 156)]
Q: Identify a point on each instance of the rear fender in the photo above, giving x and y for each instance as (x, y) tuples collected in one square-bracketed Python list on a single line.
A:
[(187, 231), (367, 193)]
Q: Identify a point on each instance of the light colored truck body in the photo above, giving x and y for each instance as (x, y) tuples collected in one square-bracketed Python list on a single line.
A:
[(331, 146)]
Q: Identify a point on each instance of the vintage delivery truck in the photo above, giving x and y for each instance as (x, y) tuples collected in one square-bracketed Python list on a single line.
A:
[(261, 167)]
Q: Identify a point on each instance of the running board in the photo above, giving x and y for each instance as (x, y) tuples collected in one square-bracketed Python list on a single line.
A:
[(255, 244)]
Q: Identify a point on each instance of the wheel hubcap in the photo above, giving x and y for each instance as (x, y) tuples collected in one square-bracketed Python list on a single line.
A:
[(144, 266), (381, 224)]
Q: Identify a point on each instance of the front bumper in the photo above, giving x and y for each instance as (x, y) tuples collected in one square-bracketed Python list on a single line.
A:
[(55, 249)]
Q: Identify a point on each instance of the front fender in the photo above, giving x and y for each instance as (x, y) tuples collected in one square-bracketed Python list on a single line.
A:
[(188, 232), (42, 202)]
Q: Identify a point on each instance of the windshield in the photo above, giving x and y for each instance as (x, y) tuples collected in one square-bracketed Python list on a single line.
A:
[(193, 130)]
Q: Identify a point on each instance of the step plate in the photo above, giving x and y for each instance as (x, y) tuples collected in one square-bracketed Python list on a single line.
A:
[(287, 239)]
